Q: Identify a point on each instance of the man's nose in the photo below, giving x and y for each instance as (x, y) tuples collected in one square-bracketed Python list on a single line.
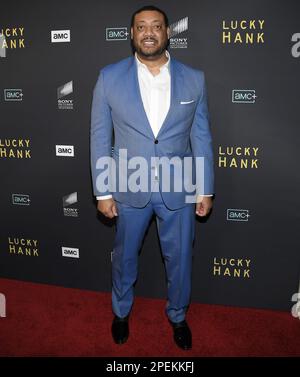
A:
[(149, 31)]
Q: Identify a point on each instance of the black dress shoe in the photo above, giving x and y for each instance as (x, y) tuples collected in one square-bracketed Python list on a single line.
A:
[(182, 335), (120, 329)]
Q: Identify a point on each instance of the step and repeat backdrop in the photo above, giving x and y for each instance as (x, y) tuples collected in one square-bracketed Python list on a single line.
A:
[(247, 252)]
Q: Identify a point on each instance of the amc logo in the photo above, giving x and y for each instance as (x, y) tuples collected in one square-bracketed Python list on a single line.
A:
[(20, 199), (70, 252), (243, 96), (116, 33), (65, 150), (60, 36), (237, 214), (13, 94)]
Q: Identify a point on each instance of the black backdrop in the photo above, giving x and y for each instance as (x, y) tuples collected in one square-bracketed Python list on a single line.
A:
[(247, 253)]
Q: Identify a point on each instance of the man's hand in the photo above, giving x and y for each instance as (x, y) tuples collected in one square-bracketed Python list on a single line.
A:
[(203, 205), (107, 207)]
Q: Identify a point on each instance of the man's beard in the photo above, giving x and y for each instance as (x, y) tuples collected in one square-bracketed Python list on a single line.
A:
[(153, 53)]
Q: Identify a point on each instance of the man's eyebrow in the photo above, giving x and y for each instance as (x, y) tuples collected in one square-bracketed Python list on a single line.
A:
[(151, 21)]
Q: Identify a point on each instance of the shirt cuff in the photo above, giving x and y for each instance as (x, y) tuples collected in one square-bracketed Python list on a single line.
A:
[(199, 198), (103, 197)]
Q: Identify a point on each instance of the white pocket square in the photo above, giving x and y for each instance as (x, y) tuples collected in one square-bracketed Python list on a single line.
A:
[(186, 102)]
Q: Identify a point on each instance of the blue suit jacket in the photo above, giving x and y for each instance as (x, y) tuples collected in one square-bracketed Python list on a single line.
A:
[(118, 120)]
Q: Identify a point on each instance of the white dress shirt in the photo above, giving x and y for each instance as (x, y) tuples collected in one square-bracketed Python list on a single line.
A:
[(156, 96), (155, 92)]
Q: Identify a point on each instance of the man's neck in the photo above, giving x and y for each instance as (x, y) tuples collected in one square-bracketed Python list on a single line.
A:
[(154, 64)]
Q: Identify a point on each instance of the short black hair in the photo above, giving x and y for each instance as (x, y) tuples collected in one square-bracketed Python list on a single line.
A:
[(151, 8)]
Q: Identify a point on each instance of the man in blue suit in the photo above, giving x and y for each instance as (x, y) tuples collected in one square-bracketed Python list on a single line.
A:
[(152, 110)]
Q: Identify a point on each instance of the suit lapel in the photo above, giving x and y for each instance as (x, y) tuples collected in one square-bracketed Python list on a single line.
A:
[(176, 83), (138, 98)]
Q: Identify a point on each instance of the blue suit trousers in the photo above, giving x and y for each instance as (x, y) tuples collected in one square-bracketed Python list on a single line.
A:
[(176, 229)]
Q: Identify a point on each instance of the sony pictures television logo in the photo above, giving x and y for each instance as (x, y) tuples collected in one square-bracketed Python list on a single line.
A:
[(60, 36), (238, 214), (68, 201), (63, 91), (13, 95), (116, 33), (243, 96), (177, 28), (70, 252)]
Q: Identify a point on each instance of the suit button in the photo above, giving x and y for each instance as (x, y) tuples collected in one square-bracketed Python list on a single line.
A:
[(156, 141)]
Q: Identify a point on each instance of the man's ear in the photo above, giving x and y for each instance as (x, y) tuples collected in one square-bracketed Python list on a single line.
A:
[(131, 33), (168, 32)]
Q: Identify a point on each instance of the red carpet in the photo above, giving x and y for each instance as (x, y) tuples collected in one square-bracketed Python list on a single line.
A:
[(43, 320)]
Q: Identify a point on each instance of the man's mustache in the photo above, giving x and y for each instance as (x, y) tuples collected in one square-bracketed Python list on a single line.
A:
[(149, 39)]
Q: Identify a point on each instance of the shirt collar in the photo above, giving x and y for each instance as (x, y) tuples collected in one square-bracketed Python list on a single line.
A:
[(166, 65)]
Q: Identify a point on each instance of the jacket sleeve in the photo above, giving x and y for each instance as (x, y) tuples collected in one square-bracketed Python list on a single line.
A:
[(100, 138), (201, 143)]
